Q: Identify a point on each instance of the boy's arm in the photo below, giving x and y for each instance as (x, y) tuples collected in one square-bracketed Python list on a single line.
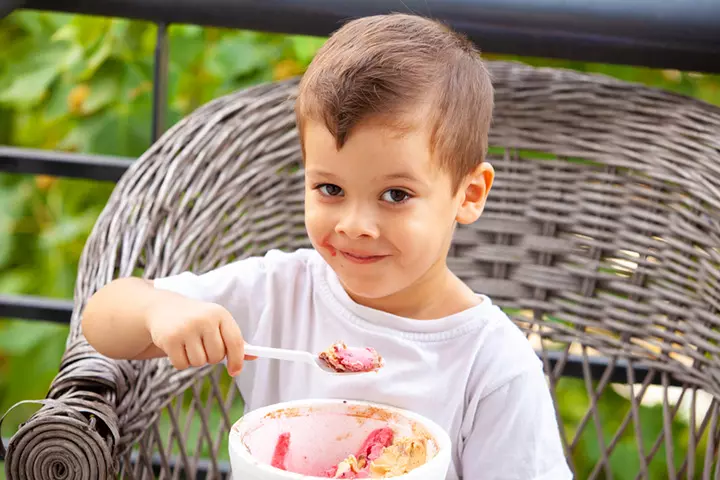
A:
[(114, 320), (514, 434), (193, 319), (131, 319)]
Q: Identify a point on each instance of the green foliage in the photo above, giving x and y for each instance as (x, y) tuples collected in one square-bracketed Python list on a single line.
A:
[(80, 83), (612, 411)]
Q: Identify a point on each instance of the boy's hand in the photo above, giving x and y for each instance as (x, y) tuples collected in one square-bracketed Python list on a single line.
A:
[(195, 333)]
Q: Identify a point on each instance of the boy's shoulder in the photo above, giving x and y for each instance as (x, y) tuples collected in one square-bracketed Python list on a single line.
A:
[(503, 351)]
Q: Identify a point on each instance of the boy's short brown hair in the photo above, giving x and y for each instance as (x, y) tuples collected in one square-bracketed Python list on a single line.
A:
[(387, 68)]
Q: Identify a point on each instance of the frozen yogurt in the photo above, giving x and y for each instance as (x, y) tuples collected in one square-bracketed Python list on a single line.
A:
[(342, 358), (281, 451), (383, 454)]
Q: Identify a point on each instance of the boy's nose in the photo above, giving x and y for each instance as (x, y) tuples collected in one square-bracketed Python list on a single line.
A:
[(357, 224)]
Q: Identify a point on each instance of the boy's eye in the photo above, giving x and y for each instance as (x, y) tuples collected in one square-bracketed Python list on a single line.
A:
[(329, 190), (395, 196)]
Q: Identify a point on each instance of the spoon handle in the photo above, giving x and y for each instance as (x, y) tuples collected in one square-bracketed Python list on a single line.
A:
[(279, 353)]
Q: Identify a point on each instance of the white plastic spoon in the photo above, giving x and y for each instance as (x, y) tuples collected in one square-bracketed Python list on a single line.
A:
[(293, 356)]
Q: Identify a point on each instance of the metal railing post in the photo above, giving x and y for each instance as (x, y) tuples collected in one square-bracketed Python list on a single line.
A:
[(160, 82)]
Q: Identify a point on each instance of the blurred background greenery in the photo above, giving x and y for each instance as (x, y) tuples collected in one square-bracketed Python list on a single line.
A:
[(84, 84)]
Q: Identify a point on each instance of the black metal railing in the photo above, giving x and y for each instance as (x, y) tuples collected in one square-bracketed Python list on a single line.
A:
[(683, 35), (60, 164), (678, 35)]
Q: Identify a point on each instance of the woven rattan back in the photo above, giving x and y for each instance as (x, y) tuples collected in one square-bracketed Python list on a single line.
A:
[(600, 238)]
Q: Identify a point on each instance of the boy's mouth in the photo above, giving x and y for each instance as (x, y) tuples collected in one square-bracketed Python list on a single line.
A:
[(355, 256), (362, 258)]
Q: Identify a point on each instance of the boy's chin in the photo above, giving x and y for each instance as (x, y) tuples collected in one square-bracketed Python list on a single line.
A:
[(364, 290)]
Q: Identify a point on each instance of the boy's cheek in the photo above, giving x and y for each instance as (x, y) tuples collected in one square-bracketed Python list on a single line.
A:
[(318, 226)]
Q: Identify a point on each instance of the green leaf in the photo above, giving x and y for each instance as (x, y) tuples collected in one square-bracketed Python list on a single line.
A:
[(66, 33), (186, 44), (6, 225), (81, 137), (63, 55), (31, 77), (77, 197), (127, 39), (254, 78), (118, 31), (625, 461), (29, 89), (65, 230), (235, 56), (111, 138), (19, 337), (29, 374), (57, 20), (6, 249), (122, 130), (30, 21), (57, 105), (33, 129), (17, 281), (84, 30), (7, 37), (5, 125), (99, 55), (306, 47), (58, 269), (136, 84), (104, 86)]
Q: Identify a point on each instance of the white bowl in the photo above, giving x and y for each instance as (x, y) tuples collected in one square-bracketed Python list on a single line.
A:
[(322, 433)]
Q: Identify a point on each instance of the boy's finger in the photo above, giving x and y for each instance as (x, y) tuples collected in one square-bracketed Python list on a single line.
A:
[(196, 353), (177, 356), (214, 346), (234, 344)]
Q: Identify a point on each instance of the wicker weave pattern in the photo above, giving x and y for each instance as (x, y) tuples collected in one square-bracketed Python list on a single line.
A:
[(601, 237)]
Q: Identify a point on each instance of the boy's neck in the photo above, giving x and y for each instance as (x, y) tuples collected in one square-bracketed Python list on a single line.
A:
[(437, 294)]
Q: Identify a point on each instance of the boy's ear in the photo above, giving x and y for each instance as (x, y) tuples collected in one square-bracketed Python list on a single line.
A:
[(473, 193)]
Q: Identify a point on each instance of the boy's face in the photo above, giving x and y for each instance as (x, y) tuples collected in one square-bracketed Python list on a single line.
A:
[(380, 210)]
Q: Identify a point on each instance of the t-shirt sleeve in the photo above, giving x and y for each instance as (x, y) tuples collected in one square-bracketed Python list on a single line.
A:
[(239, 286), (514, 434)]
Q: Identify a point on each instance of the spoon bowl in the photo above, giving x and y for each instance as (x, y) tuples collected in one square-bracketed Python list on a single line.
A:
[(294, 356)]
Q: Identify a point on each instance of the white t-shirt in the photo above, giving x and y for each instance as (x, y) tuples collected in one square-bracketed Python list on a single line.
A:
[(474, 372)]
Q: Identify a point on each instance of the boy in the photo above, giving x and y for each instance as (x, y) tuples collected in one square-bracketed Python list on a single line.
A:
[(393, 115)]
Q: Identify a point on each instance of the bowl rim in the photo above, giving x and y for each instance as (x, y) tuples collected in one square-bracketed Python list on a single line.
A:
[(236, 446)]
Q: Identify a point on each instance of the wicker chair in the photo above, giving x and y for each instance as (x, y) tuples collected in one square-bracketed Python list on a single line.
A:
[(600, 239)]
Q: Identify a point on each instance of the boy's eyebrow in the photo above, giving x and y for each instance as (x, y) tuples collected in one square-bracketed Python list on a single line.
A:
[(392, 176), (321, 173), (401, 176)]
